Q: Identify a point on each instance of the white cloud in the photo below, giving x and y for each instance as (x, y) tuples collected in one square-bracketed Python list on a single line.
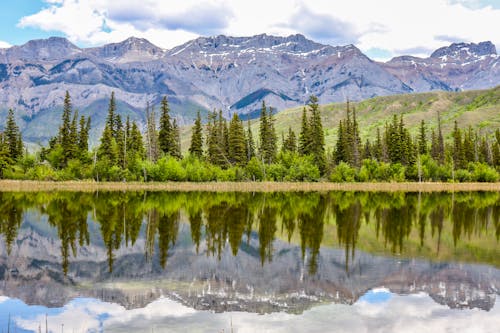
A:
[(4, 44), (394, 26)]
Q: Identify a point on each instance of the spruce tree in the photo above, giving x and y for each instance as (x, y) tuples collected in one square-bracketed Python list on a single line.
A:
[(250, 142), (196, 148), (268, 138), (110, 119), (83, 138), (458, 151), (317, 137), (237, 145), (422, 140), (304, 135), (175, 141), (12, 137), (120, 142), (440, 142), (290, 143), (152, 146), (165, 134), (135, 144), (108, 149)]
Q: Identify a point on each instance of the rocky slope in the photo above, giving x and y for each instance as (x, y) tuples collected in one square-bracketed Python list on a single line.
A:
[(234, 74)]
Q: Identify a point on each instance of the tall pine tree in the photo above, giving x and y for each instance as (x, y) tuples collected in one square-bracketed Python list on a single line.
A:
[(196, 148)]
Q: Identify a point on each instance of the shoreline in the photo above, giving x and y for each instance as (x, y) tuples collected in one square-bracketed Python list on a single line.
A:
[(92, 186)]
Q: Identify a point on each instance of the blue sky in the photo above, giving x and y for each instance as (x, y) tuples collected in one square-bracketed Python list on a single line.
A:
[(382, 29)]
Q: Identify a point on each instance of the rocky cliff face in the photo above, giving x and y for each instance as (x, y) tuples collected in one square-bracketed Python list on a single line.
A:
[(234, 74), (460, 66), (32, 272)]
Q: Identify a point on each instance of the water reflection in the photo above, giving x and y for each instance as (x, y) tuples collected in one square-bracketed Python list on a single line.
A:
[(217, 218), (310, 247)]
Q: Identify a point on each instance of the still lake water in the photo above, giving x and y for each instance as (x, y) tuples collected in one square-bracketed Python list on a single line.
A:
[(249, 262)]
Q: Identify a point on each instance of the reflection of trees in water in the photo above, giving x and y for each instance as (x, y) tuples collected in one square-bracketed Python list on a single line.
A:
[(218, 219)]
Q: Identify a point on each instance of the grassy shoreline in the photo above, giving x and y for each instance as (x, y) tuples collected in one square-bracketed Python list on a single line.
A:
[(91, 186)]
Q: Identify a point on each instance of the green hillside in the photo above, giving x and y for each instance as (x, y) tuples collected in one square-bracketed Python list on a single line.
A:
[(479, 109)]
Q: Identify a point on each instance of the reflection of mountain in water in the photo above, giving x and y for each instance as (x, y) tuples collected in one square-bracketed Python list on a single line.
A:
[(233, 254), (235, 282)]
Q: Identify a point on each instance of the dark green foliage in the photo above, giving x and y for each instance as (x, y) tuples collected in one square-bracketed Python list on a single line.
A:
[(237, 144), (152, 144), (83, 138), (166, 133), (290, 143), (196, 148), (267, 134), (437, 144), (12, 138), (217, 150), (422, 139), (317, 137), (108, 151), (348, 147), (250, 143), (305, 135)]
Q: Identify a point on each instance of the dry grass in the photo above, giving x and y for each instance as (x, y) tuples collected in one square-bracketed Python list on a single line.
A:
[(90, 186)]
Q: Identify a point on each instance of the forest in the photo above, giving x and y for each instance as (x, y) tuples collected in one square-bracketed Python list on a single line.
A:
[(227, 150)]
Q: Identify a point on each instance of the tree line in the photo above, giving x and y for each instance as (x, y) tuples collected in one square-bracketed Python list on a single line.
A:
[(222, 149)]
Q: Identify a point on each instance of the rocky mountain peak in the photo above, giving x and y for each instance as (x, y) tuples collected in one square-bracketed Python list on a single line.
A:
[(263, 43), (52, 48), (130, 50), (466, 50)]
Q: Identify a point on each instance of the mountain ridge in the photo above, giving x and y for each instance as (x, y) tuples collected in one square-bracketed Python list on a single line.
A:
[(234, 74)]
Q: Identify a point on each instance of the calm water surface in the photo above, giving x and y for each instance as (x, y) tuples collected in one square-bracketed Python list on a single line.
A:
[(249, 262)]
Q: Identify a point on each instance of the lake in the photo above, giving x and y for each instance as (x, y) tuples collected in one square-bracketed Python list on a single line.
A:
[(249, 262)]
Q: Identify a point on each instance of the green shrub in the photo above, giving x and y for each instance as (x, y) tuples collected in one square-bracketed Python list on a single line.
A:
[(343, 173), (482, 172), (255, 169)]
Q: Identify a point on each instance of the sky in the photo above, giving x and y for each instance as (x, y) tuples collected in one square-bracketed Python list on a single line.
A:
[(382, 29), (378, 311)]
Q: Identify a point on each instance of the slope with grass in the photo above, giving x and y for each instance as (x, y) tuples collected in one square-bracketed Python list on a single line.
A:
[(479, 109)]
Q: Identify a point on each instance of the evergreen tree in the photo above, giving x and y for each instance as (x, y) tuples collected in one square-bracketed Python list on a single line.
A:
[(108, 149), (152, 146), (304, 136), (379, 149), (72, 149), (268, 139), (250, 143), (196, 148), (110, 119), (317, 141), (135, 145), (440, 142), (237, 145), (458, 151), (5, 160), (175, 141), (165, 135), (83, 138), (12, 138), (120, 139), (290, 143), (422, 140)]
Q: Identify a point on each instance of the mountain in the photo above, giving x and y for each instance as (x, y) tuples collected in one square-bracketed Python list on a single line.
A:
[(234, 74), (460, 66)]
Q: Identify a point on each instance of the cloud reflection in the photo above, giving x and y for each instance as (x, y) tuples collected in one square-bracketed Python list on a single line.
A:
[(377, 311)]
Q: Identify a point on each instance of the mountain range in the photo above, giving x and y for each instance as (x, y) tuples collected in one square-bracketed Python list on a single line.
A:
[(234, 74)]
